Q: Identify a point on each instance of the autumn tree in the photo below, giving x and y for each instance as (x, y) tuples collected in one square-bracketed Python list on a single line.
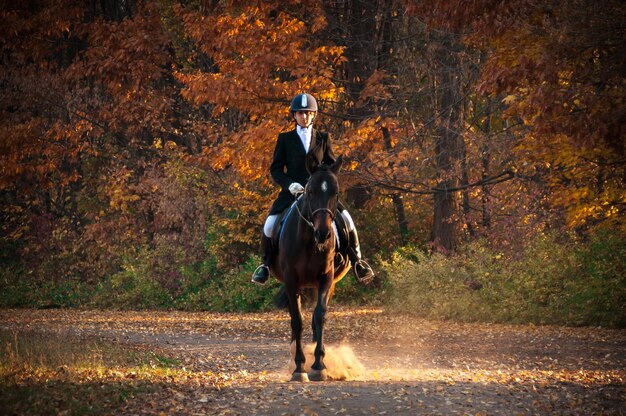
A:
[(259, 58), (90, 127), (366, 119), (140, 133), (405, 114), (559, 69), (487, 151)]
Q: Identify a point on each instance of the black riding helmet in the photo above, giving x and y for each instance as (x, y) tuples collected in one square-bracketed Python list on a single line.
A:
[(303, 102)]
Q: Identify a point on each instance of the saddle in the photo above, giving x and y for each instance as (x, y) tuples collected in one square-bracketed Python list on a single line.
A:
[(278, 227), (343, 235)]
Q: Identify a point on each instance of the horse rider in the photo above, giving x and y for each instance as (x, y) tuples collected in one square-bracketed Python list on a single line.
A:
[(289, 171)]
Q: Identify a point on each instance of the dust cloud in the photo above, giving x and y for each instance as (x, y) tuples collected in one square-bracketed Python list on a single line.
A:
[(341, 362)]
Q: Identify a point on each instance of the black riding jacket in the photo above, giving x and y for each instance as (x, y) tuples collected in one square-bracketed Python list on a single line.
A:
[(288, 165)]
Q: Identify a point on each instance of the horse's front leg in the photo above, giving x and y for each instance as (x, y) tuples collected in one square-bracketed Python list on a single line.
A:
[(296, 333), (318, 369)]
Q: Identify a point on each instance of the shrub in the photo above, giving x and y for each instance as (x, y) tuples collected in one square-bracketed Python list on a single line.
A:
[(596, 293), (349, 292), (553, 281), (132, 287), (233, 291), (18, 289)]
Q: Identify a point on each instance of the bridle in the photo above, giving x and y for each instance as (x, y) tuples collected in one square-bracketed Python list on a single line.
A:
[(312, 214)]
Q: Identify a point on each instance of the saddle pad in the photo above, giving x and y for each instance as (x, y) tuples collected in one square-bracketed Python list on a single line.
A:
[(278, 227)]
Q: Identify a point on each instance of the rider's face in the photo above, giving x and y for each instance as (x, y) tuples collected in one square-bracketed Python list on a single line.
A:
[(304, 118)]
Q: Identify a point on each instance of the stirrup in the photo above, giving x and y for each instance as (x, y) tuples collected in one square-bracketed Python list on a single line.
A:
[(368, 277), (256, 273)]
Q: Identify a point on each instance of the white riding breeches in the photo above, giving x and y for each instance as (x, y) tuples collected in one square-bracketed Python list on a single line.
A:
[(271, 220), (269, 225)]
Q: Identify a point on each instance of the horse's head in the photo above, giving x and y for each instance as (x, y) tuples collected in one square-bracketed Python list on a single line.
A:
[(322, 194)]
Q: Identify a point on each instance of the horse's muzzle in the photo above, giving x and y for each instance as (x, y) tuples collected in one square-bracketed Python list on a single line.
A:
[(322, 236)]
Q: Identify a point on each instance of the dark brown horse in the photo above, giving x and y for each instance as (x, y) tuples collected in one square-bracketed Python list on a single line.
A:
[(306, 259)]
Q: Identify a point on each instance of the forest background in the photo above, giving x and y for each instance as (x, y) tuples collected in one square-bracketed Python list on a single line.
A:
[(485, 145)]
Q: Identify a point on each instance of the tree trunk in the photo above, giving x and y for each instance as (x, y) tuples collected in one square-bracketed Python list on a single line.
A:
[(449, 144), (360, 19), (485, 155), (398, 205), (467, 210), (443, 236)]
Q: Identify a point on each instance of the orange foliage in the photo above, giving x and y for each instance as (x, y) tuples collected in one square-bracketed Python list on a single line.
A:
[(261, 57), (145, 125), (558, 67), (568, 89)]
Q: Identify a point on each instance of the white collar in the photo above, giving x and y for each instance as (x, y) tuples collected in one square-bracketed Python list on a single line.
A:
[(304, 130), (305, 136)]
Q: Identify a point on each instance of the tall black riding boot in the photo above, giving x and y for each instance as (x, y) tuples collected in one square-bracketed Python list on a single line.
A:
[(262, 273), (362, 271)]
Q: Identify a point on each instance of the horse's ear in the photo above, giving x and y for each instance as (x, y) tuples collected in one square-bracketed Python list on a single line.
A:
[(311, 163), (335, 167)]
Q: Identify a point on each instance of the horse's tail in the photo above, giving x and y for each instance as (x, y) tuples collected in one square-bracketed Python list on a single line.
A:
[(281, 300)]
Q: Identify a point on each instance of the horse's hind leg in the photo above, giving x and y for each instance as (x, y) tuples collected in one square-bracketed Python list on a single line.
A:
[(318, 369), (296, 334)]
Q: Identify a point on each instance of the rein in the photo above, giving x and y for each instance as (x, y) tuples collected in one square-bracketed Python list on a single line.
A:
[(309, 223)]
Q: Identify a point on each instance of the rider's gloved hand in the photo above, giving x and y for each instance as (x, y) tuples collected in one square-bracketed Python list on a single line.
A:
[(295, 188)]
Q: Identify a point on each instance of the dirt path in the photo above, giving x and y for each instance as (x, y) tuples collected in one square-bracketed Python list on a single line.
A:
[(393, 364)]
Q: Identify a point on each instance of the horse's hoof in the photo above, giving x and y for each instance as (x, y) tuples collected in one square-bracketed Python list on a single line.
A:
[(318, 375), (301, 377)]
